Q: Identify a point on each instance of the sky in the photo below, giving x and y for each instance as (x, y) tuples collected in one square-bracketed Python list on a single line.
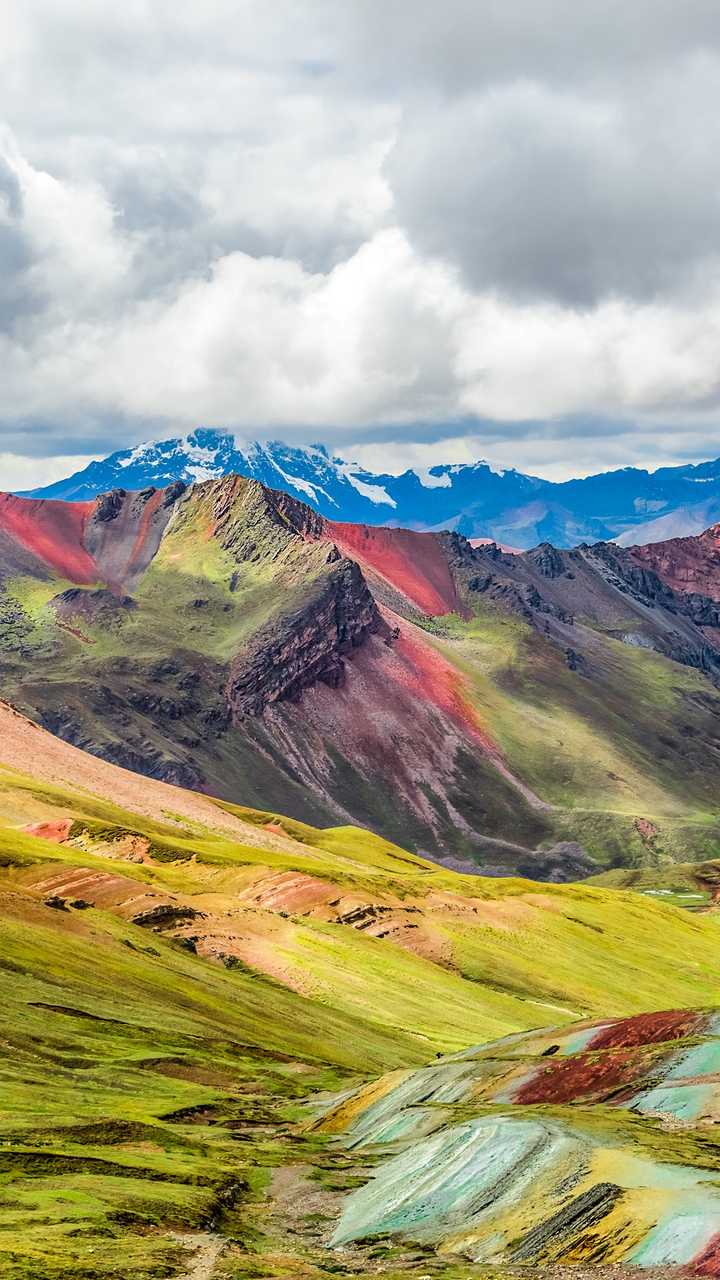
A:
[(417, 232)]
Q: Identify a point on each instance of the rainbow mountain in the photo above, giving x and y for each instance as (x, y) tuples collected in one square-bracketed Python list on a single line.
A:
[(552, 712)]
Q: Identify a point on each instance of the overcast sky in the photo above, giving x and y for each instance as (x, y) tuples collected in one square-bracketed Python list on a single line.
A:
[(418, 231)]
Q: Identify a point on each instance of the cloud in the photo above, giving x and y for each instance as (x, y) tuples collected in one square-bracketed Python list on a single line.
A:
[(487, 227), (18, 472), (463, 45), (547, 194)]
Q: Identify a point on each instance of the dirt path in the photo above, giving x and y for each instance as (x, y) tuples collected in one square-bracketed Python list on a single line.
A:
[(207, 1250)]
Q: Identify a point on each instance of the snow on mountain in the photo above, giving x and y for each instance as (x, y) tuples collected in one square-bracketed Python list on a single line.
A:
[(329, 484), (374, 492), (476, 499)]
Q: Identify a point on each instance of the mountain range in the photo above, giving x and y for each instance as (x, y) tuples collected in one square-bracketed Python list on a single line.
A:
[(478, 500), (552, 712)]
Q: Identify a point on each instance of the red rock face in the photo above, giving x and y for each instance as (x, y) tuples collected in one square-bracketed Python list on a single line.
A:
[(411, 562), (52, 531), (391, 724), (686, 564), (56, 832), (426, 675), (124, 533), (649, 1028), (109, 540), (708, 1263)]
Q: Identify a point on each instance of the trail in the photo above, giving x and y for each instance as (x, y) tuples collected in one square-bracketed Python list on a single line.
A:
[(207, 1247)]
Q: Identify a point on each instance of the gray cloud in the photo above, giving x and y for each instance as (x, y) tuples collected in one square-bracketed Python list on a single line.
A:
[(466, 45), (481, 221), (15, 257), (552, 195)]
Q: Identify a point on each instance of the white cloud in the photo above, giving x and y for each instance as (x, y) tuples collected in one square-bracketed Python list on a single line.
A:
[(18, 472), (468, 230)]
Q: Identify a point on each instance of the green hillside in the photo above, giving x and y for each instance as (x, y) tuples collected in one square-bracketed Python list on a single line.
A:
[(177, 987)]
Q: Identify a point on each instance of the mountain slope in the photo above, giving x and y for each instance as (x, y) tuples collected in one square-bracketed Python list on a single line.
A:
[(472, 704), (180, 975), (477, 499), (73, 827), (546, 1148), (690, 566), (248, 606)]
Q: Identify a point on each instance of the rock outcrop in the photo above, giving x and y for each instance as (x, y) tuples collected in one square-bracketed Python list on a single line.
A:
[(690, 566), (307, 645), (254, 523)]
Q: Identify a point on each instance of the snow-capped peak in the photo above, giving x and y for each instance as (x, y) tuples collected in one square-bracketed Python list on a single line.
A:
[(478, 499)]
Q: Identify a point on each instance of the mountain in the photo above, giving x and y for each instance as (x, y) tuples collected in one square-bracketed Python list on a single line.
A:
[(477, 500), (188, 983), (591, 1144), (550, 713)]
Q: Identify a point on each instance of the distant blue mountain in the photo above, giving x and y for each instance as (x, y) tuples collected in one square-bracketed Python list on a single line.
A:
[(478, 500)]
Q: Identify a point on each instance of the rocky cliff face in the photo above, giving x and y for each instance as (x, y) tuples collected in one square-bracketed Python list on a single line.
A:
[(123, 533), (638, 580), (687, 565), (108, 542), (307, 645)]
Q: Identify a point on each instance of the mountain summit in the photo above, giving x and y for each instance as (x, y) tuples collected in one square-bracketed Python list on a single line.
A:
[(477, 499)]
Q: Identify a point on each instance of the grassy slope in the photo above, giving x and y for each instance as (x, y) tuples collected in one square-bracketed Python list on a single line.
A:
[(111, 1032), (195, 603), (106, 1035), (693, 885), (579, 929), (637, 740)]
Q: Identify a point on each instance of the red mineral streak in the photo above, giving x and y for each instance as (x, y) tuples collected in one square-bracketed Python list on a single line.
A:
[(136, 555), (649, 1028), (411, 562), (74, 631), (432, 681), (431, 678), (566, 1079), (56, 832), (52, 531), (708, 1262)]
